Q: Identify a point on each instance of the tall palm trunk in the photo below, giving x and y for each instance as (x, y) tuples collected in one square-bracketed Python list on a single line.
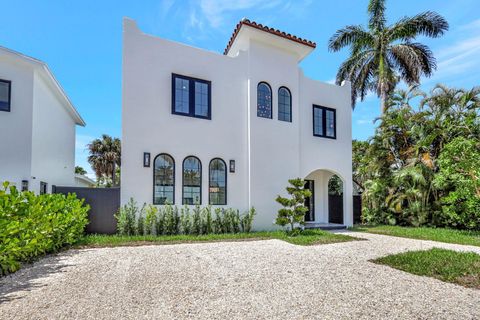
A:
[(383, 100)]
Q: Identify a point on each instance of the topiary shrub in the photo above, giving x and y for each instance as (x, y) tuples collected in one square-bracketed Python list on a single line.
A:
[(293, 212)]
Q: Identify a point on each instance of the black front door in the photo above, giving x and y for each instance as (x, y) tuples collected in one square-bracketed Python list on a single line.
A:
[(310, 201)]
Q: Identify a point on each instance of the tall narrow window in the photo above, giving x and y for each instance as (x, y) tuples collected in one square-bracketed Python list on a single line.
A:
[(324, 122), (217, 189), (264, 100), (192, 181), (5, 94), (43, 187), (191, 97), (164, 179), (284, 105)]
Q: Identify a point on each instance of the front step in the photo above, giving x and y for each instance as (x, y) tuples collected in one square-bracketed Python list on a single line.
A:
[(324, 226)]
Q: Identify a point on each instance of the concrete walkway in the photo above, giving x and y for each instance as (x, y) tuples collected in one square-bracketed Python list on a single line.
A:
[(235, 280)]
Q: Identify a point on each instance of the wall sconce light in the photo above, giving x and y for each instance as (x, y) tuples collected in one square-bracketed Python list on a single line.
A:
[(24, 185), (146, 159), (232, 166)]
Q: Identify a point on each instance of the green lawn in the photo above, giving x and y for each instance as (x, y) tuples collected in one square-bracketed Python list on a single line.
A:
[(457, 267), (435, 234), (306, 238)]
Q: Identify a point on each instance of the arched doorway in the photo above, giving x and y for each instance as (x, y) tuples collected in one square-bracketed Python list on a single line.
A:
[(335, 200), (327, 203)]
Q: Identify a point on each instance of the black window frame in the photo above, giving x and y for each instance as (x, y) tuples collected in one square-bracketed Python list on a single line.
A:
[(271, 100), (210, 180), (43, 187), (324, 122), (191, 97), (290, 104), (174, 182), (183, 180), (9, 107)]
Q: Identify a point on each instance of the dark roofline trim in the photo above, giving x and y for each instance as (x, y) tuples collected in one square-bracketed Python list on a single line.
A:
[(273, 31)]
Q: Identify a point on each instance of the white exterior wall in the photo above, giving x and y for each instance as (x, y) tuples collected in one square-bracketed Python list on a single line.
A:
[(16, 125), (38, 134), (148, 124), (53, 139), (267, 152)]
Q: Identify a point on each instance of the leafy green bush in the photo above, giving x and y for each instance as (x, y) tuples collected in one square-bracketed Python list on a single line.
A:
[(32, 225), (459, 173), (172, 220), (126, 218)]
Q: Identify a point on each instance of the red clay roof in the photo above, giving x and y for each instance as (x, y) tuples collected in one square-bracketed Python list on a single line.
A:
[(261, 27)]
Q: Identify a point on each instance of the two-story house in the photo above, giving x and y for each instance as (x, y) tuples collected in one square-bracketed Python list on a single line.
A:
[(230, 129), (37, 125)]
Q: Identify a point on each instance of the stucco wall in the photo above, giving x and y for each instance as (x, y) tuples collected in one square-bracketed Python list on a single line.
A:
[(53, 139), (267, 152), (149, 126), (16, 125)]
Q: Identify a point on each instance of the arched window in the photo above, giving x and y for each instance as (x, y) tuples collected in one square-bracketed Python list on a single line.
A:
[(217, 188), (284, 104), (192, 181), (164, 179), (264, 100)]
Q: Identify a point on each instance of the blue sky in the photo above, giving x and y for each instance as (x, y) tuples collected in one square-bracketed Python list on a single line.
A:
[(81, 42)]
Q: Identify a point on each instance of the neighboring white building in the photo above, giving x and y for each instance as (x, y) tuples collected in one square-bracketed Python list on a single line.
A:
[(84, 181), (230, 130), (37, 125)]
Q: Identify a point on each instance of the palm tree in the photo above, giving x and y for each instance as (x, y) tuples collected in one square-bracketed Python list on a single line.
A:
[(80, 170), (104, 156), (385, 54)]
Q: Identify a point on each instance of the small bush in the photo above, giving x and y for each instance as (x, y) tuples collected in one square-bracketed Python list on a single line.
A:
[(32, 225), (150, 225), (126, 218)]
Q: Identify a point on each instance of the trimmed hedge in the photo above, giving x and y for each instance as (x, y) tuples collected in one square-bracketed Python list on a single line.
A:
[(32, 225)]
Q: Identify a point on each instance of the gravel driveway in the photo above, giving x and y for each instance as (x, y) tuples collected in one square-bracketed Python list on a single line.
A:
[(235, 280)]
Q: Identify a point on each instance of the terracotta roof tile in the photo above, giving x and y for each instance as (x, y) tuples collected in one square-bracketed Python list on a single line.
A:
[(273, 31)]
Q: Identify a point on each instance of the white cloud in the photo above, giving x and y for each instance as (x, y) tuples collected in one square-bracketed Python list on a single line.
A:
[(461, 56)]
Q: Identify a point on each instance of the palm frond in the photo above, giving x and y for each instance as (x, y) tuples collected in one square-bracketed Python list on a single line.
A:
[(429, 24), (413, 60), (348, 36), (376, 11)]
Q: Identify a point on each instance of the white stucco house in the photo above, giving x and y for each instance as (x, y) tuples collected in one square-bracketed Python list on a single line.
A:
[(83, 181), (230, 129), (37, 125)]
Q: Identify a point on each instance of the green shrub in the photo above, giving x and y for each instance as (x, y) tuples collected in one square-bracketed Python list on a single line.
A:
[(185, 220), (293, 212), (459, 173), (246, 220), (126, 218), (172, 220), (33, 225), (150, 224)]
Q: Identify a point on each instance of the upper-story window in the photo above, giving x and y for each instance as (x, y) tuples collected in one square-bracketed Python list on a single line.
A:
[(164, 179), (191, 97), (192, 181), (284, 104), (324, 122), (5, 94), (264, 100)]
